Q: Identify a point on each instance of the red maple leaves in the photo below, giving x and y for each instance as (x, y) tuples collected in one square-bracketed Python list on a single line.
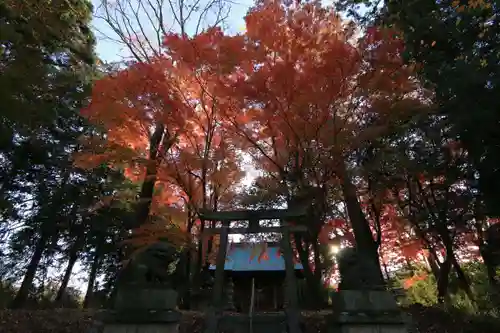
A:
[(295, 92)]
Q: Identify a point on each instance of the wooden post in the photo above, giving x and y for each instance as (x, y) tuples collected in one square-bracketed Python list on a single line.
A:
[(275, 298), (291, 300), (252, 303), (217, 305)]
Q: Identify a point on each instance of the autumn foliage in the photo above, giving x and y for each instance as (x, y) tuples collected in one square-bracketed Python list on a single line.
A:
[(299, 91)]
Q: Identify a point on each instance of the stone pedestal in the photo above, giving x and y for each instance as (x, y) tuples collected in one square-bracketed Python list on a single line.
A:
[(365, 311), (146, 298), (152, 310)]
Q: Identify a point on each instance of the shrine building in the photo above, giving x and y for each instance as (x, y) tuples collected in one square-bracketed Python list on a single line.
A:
[(256, 272)]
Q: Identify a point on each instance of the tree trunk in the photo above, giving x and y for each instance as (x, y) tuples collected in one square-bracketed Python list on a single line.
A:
[(386, 271), (210, 242), (443, 280), (490, 267), (318, 266), (148, 185), (65, 280), (451, 260), (312, 284), (444, 274), (181, 278), (186, 297), (92, 277), (47, 232), (73, 257), (433, 263), (463, 281), (365, 243), (481, 222), (23, 292), (409, 265), (200, 257)]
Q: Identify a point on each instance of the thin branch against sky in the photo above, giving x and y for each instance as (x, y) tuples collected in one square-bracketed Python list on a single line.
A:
[(128, 29)]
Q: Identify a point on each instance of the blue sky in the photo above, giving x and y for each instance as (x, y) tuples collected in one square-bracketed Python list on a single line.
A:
[(110, 51)]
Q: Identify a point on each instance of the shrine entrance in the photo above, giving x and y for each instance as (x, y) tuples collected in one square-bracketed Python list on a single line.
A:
[(268, 285), (258, 292), (256, 273)]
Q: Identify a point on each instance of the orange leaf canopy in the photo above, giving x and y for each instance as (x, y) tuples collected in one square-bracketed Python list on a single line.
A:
[(128, 103), (297, 88)]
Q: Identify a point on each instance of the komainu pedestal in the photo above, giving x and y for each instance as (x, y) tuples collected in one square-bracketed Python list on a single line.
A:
[(146, 301), (362, 304), (363, 311), (144, 311)]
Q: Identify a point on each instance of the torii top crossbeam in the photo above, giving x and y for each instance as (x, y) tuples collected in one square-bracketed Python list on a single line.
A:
[(254, 216), (243, 215)]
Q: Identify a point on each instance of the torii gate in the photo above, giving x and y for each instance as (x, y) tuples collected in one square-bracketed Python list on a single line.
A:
[(254, 217)]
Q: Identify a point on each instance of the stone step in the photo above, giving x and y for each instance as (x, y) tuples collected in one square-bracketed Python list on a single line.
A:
[(260, 323)]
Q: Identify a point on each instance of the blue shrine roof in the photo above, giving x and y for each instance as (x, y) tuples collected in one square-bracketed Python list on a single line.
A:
[(241, 259)]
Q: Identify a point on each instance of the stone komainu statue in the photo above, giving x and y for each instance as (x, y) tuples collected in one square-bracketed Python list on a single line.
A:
[(152, 266), (148, 282), (357, 272)]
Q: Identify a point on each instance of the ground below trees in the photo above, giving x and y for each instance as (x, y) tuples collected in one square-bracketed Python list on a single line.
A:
[(427, 320)]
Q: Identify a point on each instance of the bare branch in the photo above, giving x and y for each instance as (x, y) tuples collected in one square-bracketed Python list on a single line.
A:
[(139, 26)]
